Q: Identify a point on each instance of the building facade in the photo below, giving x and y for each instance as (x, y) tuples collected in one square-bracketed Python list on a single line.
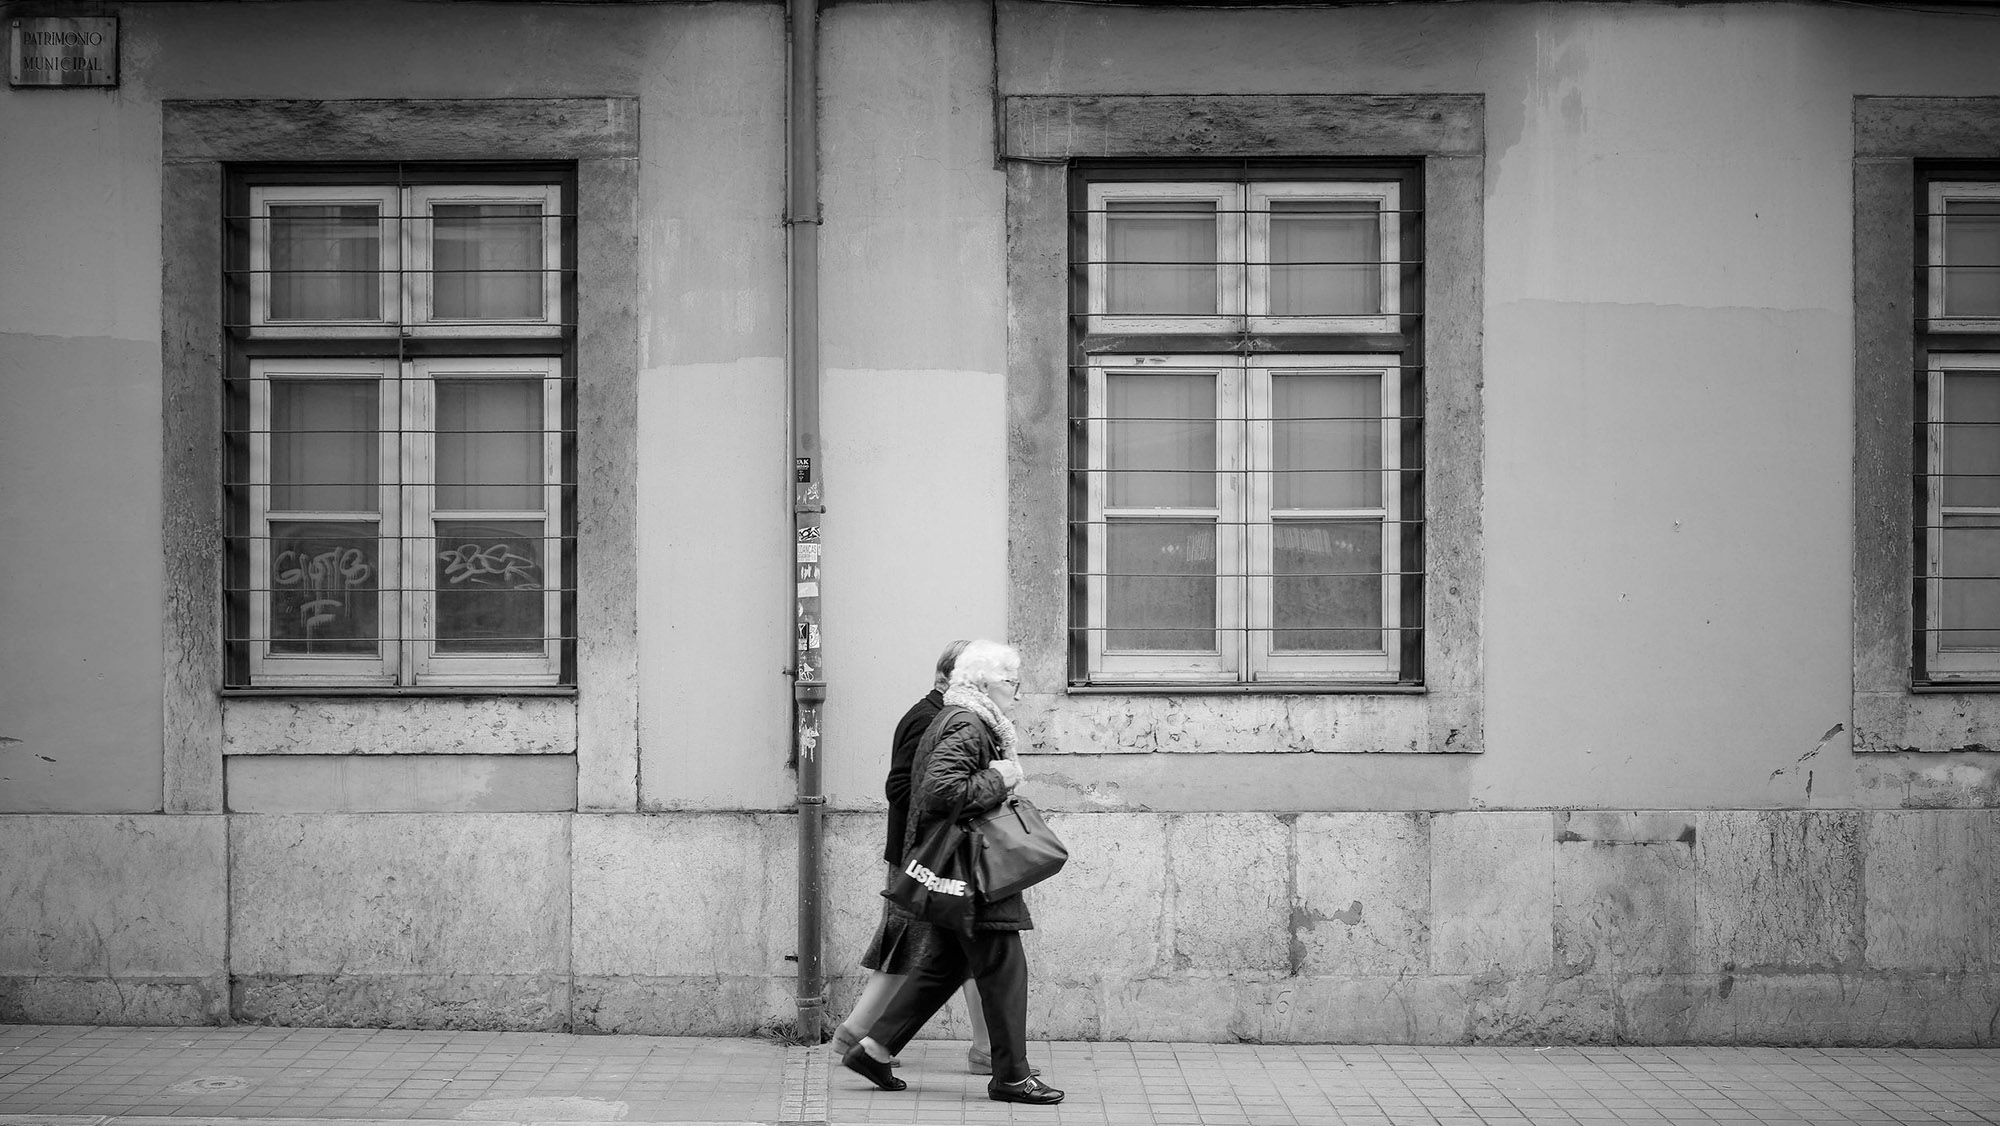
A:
[(1490, 496)]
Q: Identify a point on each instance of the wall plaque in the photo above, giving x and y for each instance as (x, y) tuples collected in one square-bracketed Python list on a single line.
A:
[(62, 51)]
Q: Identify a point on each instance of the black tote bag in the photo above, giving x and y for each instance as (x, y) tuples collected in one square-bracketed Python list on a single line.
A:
[(936, 883)]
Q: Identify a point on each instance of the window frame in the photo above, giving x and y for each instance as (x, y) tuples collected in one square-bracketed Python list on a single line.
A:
[(418, 343), (389, 245), (269, 669), (1266, 663), (1135, 666), (1901, 144), (1245, 523), (204, 721), (1939, 663), (1244, 598), (1939, 193), (1941, 345), (1386, 195), (431, 665), (420, 293), (1042, 137), (1229, 288)]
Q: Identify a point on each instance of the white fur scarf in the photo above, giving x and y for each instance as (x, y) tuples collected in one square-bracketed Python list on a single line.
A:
[(980, 704)]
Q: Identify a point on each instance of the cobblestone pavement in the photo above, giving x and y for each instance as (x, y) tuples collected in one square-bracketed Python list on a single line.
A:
[(242, 1076)]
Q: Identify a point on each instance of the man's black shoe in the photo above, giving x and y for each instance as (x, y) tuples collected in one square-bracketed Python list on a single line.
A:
[(875, 1071), (1029, 1090)]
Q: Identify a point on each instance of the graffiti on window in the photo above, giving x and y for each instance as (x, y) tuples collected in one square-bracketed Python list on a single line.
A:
[(490, 583), (498, 564), (325, 596)]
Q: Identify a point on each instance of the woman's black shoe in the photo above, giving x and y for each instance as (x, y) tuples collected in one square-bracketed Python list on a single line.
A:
[(875, 1071), (1029, 1090)]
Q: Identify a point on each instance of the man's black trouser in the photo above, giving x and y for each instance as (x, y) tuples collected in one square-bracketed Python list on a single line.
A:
[(995, 960)]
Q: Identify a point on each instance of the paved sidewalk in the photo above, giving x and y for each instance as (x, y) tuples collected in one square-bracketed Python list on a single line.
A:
[(239, 1076)]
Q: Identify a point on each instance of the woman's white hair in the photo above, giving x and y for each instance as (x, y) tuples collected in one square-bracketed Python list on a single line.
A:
[(984, 662)]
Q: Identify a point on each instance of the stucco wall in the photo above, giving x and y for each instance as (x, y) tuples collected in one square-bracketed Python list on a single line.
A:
[(1665, 403), (1667, 364), (913, 279), (80, 713), (79, 441)]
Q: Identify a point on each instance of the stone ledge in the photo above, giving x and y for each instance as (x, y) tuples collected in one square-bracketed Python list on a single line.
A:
[(135, 1000), (504, 1002), (1877, 1010), (734, 1005)]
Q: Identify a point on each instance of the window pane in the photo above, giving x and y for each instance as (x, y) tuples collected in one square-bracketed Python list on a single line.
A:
[(489, 444), (1160, 593), (1972, 258), (324, 445), (1326, 441), (1326, 257), (1160, 441), (325, 262), (1161, 257), (325, 588), (1971, 610), (1326, 586), (489, 587), (1972, 439), (486, 261)]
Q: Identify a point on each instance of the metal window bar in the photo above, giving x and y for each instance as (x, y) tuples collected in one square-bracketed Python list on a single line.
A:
[(1316, 627)]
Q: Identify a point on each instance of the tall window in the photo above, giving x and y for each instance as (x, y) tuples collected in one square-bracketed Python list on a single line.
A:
[(1246, 440), (399, 418), (1958, 415)]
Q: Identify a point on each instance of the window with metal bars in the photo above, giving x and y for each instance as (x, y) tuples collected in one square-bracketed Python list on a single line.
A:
[(1957, 410), (400, 463), (1246, 432)]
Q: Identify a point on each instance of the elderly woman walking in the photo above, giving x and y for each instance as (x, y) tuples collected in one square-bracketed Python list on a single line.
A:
[(966, 761), (901, 942)]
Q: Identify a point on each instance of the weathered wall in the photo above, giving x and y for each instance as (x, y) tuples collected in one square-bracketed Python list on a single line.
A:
[(714, 507), (912, 310), (79, 441), (1667, 384), (1873, 927), (113, 920), (80, 713), (1665, 836)]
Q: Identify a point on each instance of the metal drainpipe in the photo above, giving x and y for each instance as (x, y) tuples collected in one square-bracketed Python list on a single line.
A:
[(802, 221)]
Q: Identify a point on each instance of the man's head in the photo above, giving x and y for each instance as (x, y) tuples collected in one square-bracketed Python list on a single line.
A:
[(947, 661)]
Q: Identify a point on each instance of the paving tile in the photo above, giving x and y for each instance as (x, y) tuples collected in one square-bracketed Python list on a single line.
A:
[(391, 1075)]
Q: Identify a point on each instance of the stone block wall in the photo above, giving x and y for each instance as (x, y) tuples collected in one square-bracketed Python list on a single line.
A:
[(1720, 926), (113, 919), (684, 923), (424, 920)]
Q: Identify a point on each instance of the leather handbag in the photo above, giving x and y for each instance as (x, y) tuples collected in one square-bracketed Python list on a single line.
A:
[(1014, 848)]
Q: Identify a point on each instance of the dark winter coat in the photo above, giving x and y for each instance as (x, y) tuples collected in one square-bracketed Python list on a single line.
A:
[(902, 752), (954, 763)]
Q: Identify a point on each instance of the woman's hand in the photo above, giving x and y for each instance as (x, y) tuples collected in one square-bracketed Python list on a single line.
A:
[(1010, 772)]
